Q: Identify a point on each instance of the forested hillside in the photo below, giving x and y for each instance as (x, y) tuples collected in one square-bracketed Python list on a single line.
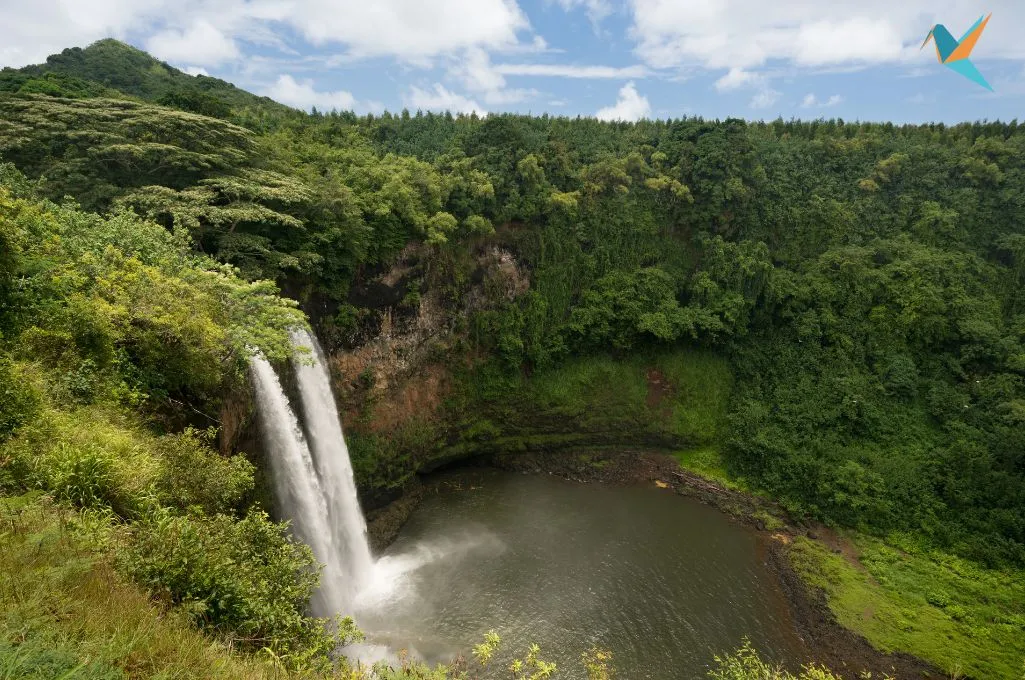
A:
[(849, 298)]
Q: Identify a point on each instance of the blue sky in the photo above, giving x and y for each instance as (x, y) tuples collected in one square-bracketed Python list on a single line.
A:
[(620, 59)]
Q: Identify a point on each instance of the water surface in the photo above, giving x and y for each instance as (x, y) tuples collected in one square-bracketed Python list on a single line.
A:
[(663, 582)]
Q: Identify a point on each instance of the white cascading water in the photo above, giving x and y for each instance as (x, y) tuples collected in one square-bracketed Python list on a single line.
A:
[(297, 488), (334, 469), (316, 490)]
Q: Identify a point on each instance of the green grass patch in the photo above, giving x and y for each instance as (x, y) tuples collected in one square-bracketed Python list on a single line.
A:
[(590, 387), (681, 394), (700, 384), (93, 456), (953, 613), (707, 461)]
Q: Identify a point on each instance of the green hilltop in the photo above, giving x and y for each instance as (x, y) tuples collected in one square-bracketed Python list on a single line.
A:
[(109, 66)]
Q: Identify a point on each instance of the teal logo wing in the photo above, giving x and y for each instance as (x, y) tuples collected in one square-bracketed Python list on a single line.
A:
[(954, 53)]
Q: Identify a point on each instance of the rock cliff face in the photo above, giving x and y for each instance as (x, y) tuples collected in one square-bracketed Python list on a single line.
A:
[(414, 325), (395, 370), (236, 416)]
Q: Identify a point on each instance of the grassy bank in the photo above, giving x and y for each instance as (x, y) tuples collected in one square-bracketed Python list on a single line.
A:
[(66, 613), (964, 619), (707, 461)]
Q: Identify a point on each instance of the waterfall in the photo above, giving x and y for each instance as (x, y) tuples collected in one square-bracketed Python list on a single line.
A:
[(334, 469), (298, 491)]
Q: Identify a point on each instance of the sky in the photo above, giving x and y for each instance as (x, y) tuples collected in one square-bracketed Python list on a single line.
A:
[(614, 59)]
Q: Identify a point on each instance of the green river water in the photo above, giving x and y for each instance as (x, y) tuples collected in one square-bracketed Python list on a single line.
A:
[(661, 581)]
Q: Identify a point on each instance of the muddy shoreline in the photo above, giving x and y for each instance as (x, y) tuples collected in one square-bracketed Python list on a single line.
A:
[(827, 642)]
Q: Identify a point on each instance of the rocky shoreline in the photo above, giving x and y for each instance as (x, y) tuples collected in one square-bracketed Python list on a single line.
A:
[(828, 642)]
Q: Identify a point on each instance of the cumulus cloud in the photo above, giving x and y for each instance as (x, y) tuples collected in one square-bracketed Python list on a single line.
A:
[(747, 34), (195, 70), (33, 30), (409, 28), (200, 43), (810, 101), (303, 95), (630, 106), (441, 99), (477, 73), (858, 39)]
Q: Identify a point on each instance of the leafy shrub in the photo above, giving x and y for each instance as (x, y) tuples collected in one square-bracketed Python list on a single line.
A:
[(245, 580), (192, 474), (19, 400), (81, 383), (900, 376), (746, 664), (196, 102)]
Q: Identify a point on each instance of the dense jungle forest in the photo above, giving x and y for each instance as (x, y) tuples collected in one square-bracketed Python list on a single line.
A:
[(835, 311)]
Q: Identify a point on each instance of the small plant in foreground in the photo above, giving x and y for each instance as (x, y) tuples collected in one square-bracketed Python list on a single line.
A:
[(598, 663)]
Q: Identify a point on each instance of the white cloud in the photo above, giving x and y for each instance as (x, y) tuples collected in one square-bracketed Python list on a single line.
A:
[(32, 30), (199, 43), (747, 34), (571, 71), (858, 39), (409, 29), (736, 78), (558, 102), (765, 99), (302, 95), (207, 32), (811, 101), (441, 99), (630, 106), (195, 70)]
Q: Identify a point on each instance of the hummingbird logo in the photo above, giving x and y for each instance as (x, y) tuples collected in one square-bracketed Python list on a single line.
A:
[(954, 53)]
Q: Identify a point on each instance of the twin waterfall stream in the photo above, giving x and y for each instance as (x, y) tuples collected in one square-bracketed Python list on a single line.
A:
[(313, 480)]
